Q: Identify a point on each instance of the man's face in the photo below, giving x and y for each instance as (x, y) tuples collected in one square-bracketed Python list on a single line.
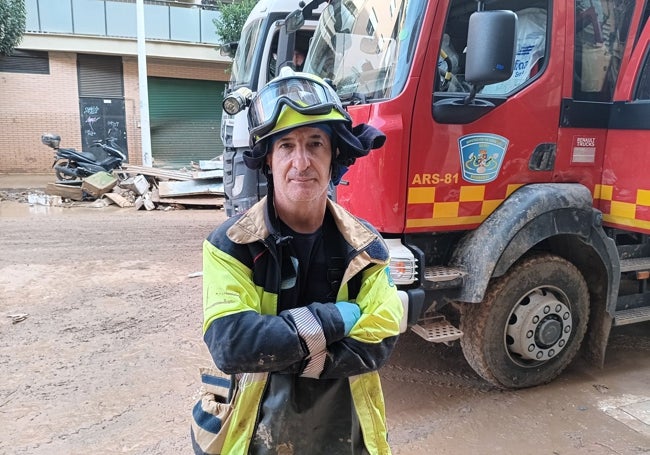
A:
[(298, 57), (300, 164)]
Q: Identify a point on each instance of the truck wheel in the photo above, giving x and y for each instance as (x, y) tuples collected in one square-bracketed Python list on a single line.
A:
[(530, 325)]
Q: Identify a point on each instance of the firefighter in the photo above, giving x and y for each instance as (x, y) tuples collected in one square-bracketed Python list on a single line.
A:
[(299, 58), (298, 300)]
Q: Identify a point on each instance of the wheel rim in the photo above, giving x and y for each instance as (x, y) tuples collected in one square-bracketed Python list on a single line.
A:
[(539, 327), (62, 176)]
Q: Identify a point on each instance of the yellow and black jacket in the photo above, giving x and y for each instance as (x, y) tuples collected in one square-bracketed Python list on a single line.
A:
[(299, 376)]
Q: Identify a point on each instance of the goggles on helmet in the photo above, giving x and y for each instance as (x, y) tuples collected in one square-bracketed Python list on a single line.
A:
[(305, 95)]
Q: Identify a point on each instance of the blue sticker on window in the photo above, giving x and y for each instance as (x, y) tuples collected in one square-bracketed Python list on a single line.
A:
[(481, 156)]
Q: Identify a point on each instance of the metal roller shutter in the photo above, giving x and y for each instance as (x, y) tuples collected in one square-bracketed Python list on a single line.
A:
[(185, 120), (100, 76)]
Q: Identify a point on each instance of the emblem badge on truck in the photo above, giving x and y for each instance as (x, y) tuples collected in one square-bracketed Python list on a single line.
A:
[(481, 156)]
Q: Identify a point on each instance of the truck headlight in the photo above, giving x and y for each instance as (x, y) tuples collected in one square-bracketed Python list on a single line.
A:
[(237, 101), (403, 267)]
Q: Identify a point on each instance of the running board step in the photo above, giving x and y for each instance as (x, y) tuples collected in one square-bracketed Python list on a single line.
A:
[(437, 330), (632, 265), (439, 277), (632, 316)]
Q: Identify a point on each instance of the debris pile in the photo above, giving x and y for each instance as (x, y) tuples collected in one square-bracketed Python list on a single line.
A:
[(148, 188)]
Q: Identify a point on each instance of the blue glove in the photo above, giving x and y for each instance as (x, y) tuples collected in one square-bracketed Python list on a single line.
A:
[(350, 312)]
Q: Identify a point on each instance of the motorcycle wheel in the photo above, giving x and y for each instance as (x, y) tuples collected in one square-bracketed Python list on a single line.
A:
[(62, 175)]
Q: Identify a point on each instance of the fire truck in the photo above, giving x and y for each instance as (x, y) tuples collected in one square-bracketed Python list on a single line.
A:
[(511, 188)]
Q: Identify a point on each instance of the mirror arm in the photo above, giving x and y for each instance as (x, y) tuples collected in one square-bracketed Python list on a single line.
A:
[(286, 45), (308, 9), (471, 96)]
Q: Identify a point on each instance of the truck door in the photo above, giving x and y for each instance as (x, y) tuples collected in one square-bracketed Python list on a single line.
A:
[(624, 192), (469, 160), (600, 42)]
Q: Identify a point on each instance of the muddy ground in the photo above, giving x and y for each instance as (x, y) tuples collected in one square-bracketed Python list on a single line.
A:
[(100, 344)]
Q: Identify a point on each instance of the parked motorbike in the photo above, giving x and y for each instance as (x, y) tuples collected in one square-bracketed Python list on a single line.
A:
[(71, 164)]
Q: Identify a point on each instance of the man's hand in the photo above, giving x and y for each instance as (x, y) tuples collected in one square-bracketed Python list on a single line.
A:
[(350, 313)]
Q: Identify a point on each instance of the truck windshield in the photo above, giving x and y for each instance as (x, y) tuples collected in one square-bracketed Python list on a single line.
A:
[(366, 46), (242, 66)]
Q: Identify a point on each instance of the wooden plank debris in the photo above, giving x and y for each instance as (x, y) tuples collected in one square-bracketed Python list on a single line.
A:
[(189, 188), (154, 172), (210, 165), (119, 199), (147, 188), (73, 192), (214, 174), (216, 201)]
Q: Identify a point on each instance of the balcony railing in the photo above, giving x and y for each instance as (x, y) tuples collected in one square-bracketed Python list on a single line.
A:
[(164, 20)]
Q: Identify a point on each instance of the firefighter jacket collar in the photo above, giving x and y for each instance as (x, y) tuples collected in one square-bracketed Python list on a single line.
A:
[(253, 226)]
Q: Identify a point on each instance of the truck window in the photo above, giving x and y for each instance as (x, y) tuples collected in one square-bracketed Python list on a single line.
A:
[(642, 91), (242, 66), (366, 46), (302, 40), (530, 53), (601, 31), (643, 86)]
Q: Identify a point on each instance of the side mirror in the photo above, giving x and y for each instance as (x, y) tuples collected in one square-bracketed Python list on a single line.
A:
[(294, 21), (491, 44), (490, 58)]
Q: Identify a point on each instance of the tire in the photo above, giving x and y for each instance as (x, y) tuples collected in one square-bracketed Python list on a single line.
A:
[(61, 175), (530, 325)]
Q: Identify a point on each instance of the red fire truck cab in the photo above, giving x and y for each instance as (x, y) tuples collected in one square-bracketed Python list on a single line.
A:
[(517, 210)]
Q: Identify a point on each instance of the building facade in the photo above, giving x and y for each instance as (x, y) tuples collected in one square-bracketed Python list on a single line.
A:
[(75, 74)]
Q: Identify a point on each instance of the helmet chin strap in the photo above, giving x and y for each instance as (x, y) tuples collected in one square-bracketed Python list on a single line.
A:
[(273, 220), (266, 170)]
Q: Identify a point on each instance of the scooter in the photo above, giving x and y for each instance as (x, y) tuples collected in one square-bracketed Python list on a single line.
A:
[(71, 164)]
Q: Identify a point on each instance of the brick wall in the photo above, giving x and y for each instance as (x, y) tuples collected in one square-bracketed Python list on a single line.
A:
[(33, 104)]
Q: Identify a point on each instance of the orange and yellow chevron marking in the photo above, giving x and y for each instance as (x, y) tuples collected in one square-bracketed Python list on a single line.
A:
[(633, 214), (464, 206)]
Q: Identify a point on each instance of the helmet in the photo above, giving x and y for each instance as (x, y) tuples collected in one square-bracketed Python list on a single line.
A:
[(296, 99), (292, 100)]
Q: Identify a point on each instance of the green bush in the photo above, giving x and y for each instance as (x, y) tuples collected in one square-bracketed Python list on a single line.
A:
[(233, 16), (12, 24)]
